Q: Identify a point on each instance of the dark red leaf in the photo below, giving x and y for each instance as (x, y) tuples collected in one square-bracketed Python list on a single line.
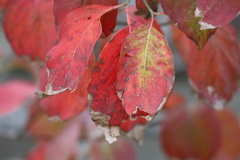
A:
[(142, 9), (120, 150), (216, 13), (29, 26), (109, 19), (63, 7), (182, 13), (191, 132), (230, 140), (106, 108), (145, 72), (215, 71), (14, 93), (67, 61), (67, 104)]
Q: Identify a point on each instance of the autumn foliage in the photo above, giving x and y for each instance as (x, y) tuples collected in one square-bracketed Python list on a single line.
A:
[(124, 86)]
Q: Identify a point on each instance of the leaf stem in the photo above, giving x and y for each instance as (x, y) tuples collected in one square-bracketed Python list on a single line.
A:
[(151, 11)]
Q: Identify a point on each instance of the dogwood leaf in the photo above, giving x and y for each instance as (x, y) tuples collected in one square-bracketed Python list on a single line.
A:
[(63, 7), (182, 13), (31, 32), (67, 104), (145, 72), (67, 61), (216, 13)]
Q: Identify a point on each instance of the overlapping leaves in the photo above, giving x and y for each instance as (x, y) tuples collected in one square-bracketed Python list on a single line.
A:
[(134, 73), (109, 112), (63, 7), (67, 61)]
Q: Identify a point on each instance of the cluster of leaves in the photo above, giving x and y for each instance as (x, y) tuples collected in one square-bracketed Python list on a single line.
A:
[(134, 73)]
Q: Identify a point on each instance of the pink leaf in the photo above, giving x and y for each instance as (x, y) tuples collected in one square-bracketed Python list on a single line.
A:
[(13, 94), (62, 147)]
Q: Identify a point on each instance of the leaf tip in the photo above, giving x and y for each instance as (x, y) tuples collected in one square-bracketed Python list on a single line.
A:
[(41, 94)]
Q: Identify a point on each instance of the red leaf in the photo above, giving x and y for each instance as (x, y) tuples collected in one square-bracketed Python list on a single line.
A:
[(29, 26), (216, 13), (102, 85), (182, 13), (67, 104), (109, 19), (62, 147), (145, 72), (13, 94), (106, 108), (67, 61), (120, 150), (132, 19), (142, 9), (215, 71), (3, 4), (230, 140), (64, 7), (191, 132)]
